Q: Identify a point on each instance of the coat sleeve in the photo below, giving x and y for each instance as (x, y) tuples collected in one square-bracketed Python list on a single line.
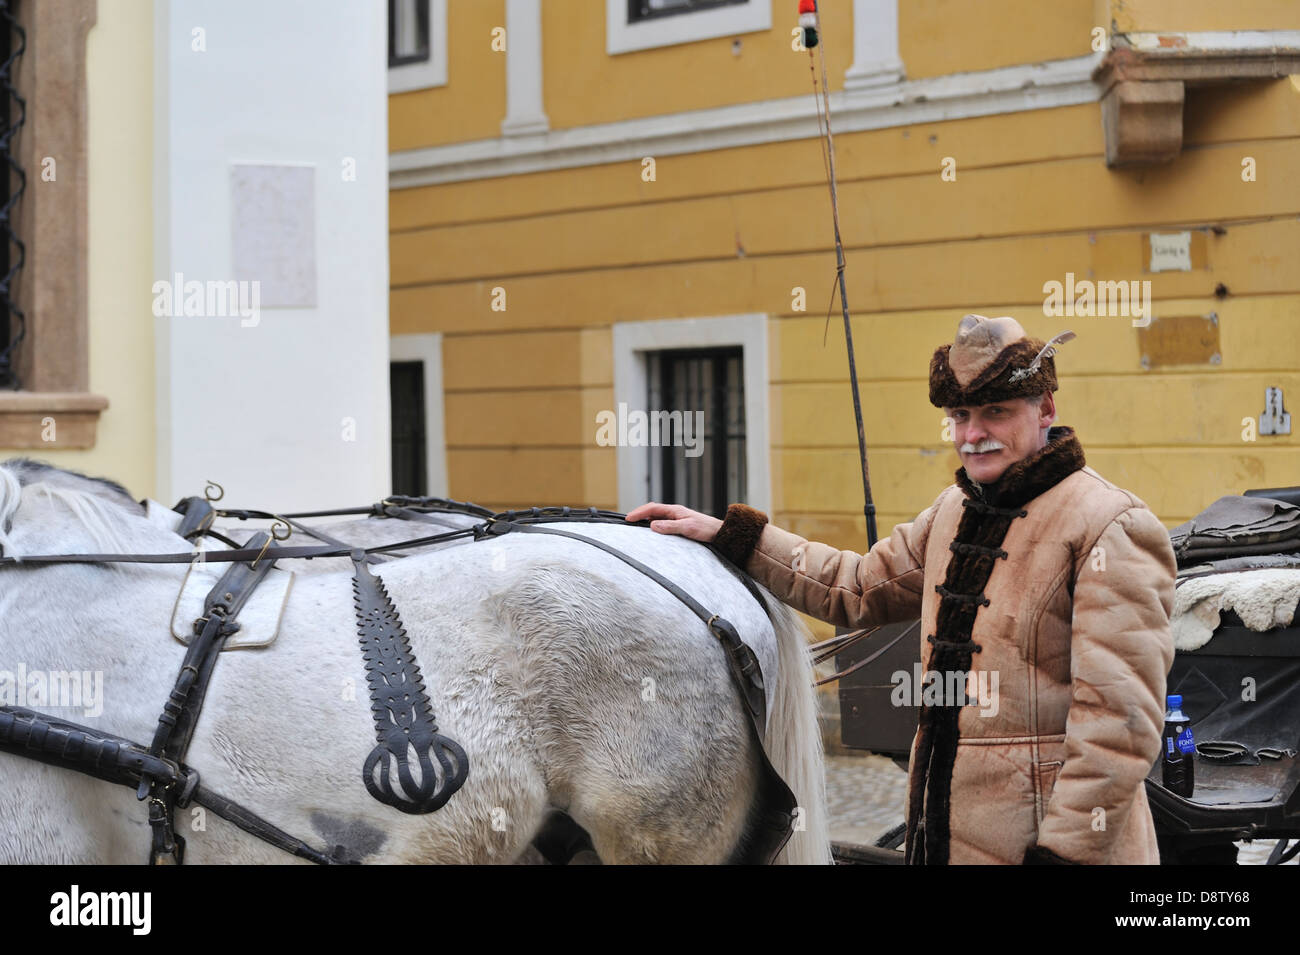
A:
[(837, 586), (1121, 648)]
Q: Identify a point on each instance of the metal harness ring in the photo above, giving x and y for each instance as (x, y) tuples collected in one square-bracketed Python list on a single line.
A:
[(278, 523)]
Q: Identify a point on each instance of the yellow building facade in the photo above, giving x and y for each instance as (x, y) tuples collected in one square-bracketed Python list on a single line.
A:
[(686, 181)]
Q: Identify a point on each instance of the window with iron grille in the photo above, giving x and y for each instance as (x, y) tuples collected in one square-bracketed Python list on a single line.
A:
[(408, 32), (711, 381), (639, 10), (12, 183), (406, 391)]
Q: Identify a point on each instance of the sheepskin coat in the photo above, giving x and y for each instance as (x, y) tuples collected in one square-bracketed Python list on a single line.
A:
[(1053, 585)]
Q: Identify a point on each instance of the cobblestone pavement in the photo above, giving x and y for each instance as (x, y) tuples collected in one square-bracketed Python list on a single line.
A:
[(866, 796)]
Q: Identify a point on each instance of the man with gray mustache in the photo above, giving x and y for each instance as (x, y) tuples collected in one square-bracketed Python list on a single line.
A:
[(1030, 566)]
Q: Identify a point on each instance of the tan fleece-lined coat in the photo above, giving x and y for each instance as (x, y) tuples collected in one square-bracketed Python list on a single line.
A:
[(1063, 584)]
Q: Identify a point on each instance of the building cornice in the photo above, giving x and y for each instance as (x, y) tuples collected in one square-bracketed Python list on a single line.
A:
[(1139, 82), (958, 96)]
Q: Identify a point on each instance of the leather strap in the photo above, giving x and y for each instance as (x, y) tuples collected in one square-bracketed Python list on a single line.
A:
[(255, 825), (222, 604), (290, 519), (226, 556), (197, 516), (181, 711), (870, 658), (46, 739), (68, 745)]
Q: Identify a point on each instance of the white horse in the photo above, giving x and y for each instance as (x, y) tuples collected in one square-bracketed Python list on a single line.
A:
[(570, 679)]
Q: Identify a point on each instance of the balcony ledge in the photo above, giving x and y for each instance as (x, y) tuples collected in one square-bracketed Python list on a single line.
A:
[(1144, 76)]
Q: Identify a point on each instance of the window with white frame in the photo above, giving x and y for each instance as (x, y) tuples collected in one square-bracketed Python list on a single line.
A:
[(645, 24), (409, 429), (418, 426), (640, 10), (701, 462), (714, 369), (417, 44)]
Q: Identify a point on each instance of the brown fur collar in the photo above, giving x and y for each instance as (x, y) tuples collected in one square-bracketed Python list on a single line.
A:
[(1026, 479)]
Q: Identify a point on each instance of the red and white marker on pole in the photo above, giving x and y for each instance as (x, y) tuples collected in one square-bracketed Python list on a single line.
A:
[(808, 22)]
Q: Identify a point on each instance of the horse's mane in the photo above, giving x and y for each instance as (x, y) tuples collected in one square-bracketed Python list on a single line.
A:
[(102, 506)]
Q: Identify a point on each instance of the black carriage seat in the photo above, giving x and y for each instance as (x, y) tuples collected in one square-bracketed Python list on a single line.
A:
[(1287, 495), (1249, 784)]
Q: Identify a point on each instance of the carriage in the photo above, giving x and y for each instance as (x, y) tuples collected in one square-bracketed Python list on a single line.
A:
[(1247, 774)]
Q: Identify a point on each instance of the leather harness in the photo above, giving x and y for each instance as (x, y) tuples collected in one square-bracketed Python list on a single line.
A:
[(404, 720)]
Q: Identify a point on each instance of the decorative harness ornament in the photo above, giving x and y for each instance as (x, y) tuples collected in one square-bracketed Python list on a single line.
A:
[(404, 721)]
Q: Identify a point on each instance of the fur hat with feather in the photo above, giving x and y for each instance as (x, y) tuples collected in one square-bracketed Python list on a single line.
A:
[(992, 359)]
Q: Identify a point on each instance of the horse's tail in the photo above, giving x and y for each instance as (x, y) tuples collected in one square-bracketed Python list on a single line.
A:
[(11, 493), (794, 740)]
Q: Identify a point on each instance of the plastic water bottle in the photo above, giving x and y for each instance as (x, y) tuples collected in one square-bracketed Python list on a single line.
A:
[(1180, 750)]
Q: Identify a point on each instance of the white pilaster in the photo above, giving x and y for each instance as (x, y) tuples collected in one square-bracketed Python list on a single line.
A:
[(876, 60), (524, 113)]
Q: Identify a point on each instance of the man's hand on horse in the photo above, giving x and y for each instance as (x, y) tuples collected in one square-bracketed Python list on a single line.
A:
[(677, 519)]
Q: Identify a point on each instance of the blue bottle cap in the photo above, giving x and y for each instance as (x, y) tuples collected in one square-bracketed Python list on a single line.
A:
[(1176, 701)]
